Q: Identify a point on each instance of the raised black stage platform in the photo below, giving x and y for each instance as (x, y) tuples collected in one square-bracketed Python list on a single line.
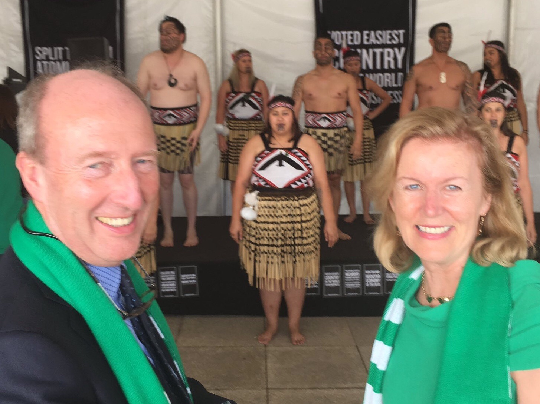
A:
[(207, 279)]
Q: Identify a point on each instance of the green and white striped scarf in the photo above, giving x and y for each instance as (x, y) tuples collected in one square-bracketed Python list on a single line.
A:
[(474, 366)]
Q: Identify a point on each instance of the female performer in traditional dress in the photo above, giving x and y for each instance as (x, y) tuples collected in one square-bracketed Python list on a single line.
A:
[(493, 112), (498, 73), (280, 235), (357, 170), (242, 100)]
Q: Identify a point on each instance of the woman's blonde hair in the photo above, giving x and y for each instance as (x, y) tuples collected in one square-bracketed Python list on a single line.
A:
[(503, 239)]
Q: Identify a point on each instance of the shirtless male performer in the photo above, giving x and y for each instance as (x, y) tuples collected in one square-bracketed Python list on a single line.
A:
[(439, 80), (325, 92), (174, 77)]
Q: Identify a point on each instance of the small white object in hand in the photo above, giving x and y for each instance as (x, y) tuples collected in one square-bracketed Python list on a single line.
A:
[(221, 129), (350, 124)]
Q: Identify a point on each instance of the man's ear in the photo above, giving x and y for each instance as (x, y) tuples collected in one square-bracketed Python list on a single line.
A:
[(31, 174)]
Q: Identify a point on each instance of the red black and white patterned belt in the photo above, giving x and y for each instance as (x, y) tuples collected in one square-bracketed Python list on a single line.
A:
[(323, 120), (175, 116)]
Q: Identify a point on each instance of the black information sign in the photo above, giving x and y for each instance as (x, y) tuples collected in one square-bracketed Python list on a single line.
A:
[(49, 25), (389, 281), (168, 282), (189, 281), (331, 277), (352, 280), (382, 32), (373, 283), (313, 289)]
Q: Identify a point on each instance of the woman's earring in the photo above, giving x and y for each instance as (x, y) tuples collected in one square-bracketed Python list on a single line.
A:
[(481, 225)]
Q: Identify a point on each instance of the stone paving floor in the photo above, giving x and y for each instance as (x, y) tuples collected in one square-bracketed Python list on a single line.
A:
[(223, 353)]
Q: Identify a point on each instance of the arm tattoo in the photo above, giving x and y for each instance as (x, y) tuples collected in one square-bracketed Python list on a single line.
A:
[(468, 93), (297, 89), (410, 75)]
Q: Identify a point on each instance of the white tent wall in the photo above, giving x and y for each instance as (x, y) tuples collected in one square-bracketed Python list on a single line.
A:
[(525, 57), (11, 46), (280, 36)]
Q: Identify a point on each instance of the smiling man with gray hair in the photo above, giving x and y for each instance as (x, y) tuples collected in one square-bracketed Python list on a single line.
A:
[(78, 324)]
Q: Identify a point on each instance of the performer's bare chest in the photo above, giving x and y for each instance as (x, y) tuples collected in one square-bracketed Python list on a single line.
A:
[(434, 79), (316, 90), (177, 79)]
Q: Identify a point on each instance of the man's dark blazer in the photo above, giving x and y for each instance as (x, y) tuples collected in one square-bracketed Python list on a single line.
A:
[(47, 352)]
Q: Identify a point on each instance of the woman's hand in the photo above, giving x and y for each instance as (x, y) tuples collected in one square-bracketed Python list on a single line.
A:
[(525, 136), (222, 143), (330, 233), (235, 230)]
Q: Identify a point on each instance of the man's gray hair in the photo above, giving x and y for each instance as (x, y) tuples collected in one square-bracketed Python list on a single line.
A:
[(28, 123)]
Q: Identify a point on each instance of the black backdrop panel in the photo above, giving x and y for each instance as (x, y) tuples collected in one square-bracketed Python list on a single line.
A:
[(48, 24), (84, 49)]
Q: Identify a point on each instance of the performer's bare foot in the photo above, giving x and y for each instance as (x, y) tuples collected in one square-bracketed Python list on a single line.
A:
[(296, 337), (368, 219), (267, 335), (343, 236), (168, 239), (351, 218), (191, 239)]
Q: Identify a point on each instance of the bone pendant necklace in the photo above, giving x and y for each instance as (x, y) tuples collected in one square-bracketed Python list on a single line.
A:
[(442, 74), (442, 77)]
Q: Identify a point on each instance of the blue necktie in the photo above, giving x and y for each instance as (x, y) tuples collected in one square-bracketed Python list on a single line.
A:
[(161, 359), (109, 278)]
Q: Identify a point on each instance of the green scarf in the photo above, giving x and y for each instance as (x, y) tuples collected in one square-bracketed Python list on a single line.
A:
[(58, 268), (474, 366)]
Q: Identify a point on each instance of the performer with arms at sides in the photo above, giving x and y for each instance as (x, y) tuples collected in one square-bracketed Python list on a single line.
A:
[(280, 235), (174, 77), (325, 92), (241, 101), (357, 170)]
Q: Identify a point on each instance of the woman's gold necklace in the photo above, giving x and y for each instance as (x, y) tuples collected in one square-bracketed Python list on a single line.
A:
[(429, 298)]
